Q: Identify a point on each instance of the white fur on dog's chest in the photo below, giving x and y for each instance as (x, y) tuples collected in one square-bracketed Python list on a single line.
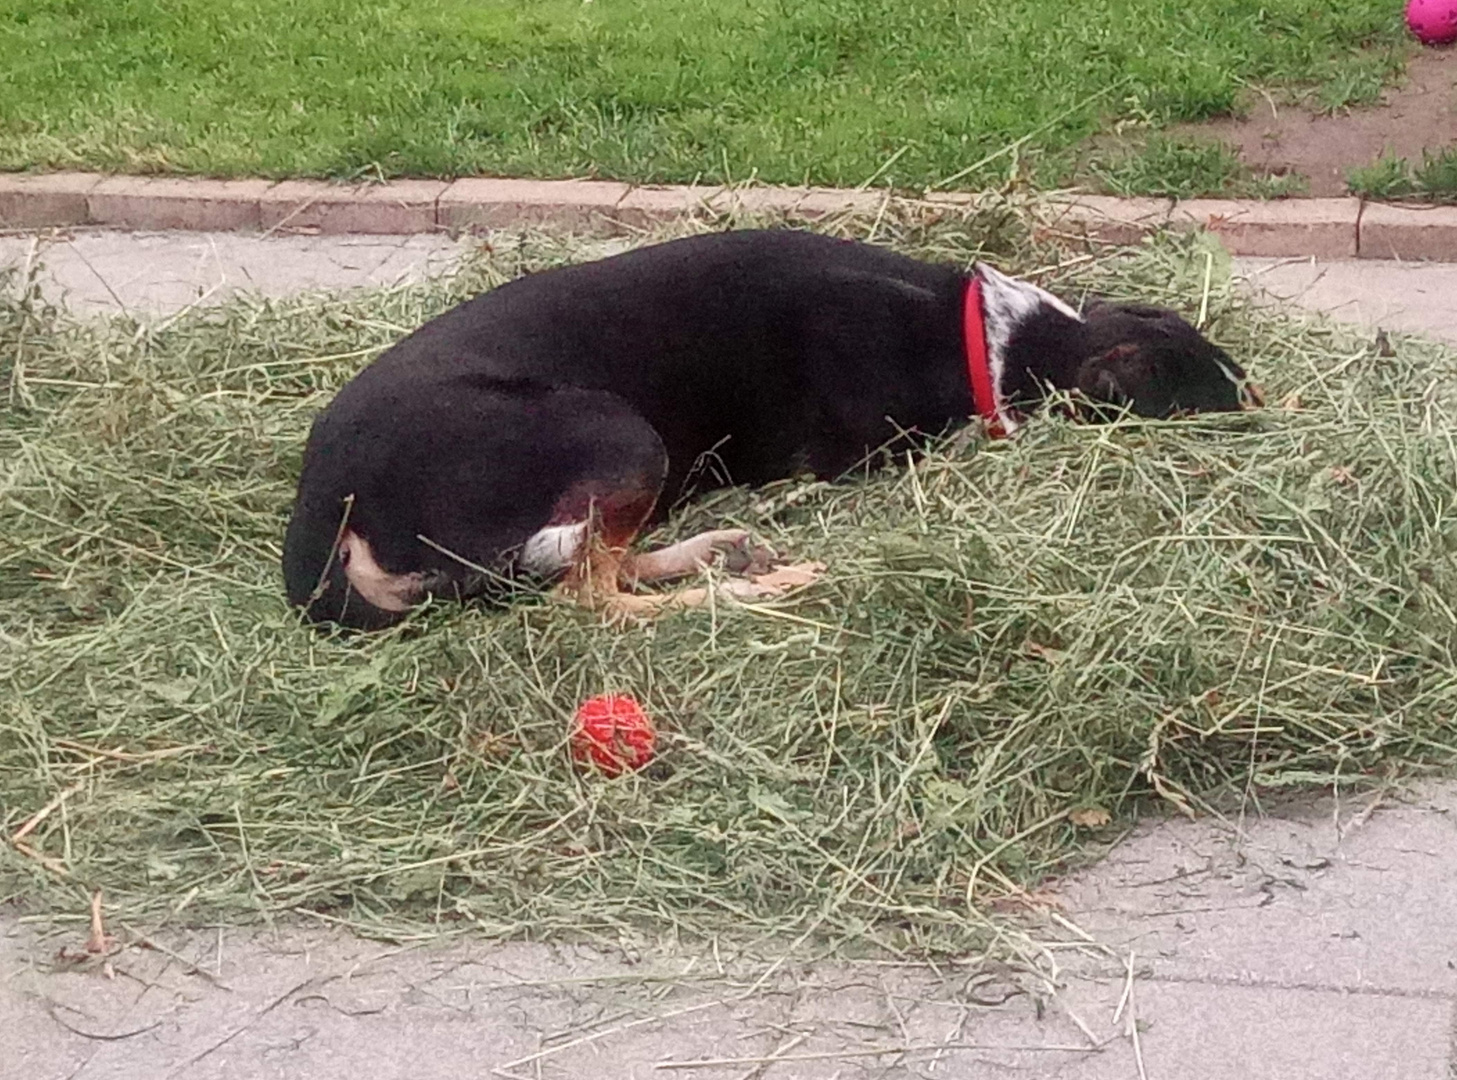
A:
[(552, 550)]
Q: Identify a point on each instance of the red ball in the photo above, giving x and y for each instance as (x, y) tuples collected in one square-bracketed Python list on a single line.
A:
[(1434, 22), (611, 732)]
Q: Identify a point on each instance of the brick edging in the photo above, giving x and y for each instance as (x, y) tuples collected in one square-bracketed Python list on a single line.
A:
[(1324, 228)]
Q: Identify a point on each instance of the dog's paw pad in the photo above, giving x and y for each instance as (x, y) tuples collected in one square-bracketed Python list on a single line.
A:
[(741, 555)]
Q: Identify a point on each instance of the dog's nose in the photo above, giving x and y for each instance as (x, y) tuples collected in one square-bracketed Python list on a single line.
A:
[(1251, 396)]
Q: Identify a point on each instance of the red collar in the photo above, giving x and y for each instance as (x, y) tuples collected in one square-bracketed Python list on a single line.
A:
[(978, 364)]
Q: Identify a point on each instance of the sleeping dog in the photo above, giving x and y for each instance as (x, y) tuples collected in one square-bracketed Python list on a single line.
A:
[(532, 432)]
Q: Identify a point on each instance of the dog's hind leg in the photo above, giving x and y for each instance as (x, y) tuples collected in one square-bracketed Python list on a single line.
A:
[(597, 549), (604, 571), (595, 577), (591, 470)]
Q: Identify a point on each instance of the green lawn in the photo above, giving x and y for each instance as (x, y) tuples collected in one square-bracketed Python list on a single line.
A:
[(831, 91)]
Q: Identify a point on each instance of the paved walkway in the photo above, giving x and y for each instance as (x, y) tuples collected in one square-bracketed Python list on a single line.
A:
[(1318, 943), (150, 274), (1419, 298)]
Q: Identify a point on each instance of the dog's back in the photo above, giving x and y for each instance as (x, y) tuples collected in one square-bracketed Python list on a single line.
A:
[(721, 342)]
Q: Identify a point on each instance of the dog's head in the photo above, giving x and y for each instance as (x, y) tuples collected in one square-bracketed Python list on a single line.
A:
[(332, 574), (345, 562), (1152, 362)]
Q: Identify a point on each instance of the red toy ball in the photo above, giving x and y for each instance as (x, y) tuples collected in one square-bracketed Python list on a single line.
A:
[(1434, 22), (611, 732)]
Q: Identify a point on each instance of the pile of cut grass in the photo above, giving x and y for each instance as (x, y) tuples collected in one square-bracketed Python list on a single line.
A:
[(1080, 619)]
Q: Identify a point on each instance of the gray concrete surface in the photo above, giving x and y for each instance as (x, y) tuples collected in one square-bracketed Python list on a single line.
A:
[(1417, 298), (1318, 943), (158, 274)]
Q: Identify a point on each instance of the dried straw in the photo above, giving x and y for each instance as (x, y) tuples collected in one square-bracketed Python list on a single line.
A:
[(1185, 614)]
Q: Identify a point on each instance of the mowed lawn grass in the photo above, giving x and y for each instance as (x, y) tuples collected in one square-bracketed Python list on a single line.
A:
[(911, 92)]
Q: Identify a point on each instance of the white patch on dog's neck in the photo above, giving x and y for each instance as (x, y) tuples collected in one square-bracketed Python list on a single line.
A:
[(1007, 303)]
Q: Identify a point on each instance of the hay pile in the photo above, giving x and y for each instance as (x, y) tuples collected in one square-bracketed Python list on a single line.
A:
[(1011, 639)]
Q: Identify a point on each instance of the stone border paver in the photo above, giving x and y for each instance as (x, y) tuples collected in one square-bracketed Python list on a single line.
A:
[(312, 206), (160, 203), (1413, 233), (580, 205), (1323, 228), (40, 201)]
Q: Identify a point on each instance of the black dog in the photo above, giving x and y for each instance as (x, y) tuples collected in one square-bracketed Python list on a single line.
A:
[(545, 420)]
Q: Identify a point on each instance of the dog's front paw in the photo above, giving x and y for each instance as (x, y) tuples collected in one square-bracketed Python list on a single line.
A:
[(737, 553)]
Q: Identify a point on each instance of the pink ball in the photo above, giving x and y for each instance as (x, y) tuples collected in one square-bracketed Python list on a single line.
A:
[(1434, 22)]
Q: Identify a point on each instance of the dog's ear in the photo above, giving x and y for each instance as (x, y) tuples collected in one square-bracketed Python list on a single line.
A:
[(1118, 376)]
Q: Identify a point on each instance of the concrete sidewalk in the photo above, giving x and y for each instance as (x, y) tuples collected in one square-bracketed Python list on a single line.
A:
[(102, 272), (1416, 298), (1320, 943), (151, 274)]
